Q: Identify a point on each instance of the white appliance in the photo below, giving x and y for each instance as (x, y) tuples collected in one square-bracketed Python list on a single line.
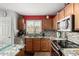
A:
[(66, 24)]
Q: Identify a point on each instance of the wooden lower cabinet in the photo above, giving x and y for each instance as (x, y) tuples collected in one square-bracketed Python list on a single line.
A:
[(28, 44), (45, 44), (21, 52), (37, 44)]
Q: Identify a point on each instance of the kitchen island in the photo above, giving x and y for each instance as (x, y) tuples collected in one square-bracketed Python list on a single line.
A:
[(37, 44)]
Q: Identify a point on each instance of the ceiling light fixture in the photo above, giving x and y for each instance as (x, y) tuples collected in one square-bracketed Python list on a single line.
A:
[(47, 17)]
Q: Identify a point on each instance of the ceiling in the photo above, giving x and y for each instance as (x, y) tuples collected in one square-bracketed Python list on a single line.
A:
[(33, 8)]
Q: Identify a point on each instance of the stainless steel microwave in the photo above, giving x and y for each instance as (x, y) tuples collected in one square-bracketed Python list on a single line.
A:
[(66, 24)]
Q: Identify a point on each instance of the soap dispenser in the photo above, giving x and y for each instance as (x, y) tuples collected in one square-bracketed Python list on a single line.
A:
[(58, 34)]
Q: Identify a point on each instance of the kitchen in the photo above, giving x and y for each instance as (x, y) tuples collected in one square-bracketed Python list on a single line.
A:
[(39, 29)]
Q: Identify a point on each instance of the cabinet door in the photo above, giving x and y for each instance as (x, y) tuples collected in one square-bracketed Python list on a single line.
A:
[(76, 12), (69, 9), (61, 15), (55, 22), (45, 44), (28, 44), (47, 24), (36, 44)]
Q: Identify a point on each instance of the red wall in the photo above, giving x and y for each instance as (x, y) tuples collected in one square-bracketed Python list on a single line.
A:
[(36, 17)]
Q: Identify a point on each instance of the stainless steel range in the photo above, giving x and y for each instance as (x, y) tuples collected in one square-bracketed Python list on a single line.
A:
[(67, 44), (58, 45)]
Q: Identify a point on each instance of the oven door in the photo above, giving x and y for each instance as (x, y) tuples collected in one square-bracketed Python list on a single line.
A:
[(56, 49)]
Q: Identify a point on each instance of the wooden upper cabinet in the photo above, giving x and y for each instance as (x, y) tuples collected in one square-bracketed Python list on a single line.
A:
[(20, 23), (61, 14), (47, 24), (55, 19), (36, 44), (69, 9), (76, 13)]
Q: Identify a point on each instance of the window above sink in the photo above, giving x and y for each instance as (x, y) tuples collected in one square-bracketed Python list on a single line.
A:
[(33, 26)]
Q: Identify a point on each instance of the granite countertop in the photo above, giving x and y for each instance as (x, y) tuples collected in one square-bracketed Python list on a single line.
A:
[(70, 51), (11, 51), (55, 38), (38, 37), (50, 37)]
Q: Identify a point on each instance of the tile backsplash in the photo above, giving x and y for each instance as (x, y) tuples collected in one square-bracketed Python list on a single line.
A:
[(71, 36), (48, 33)]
